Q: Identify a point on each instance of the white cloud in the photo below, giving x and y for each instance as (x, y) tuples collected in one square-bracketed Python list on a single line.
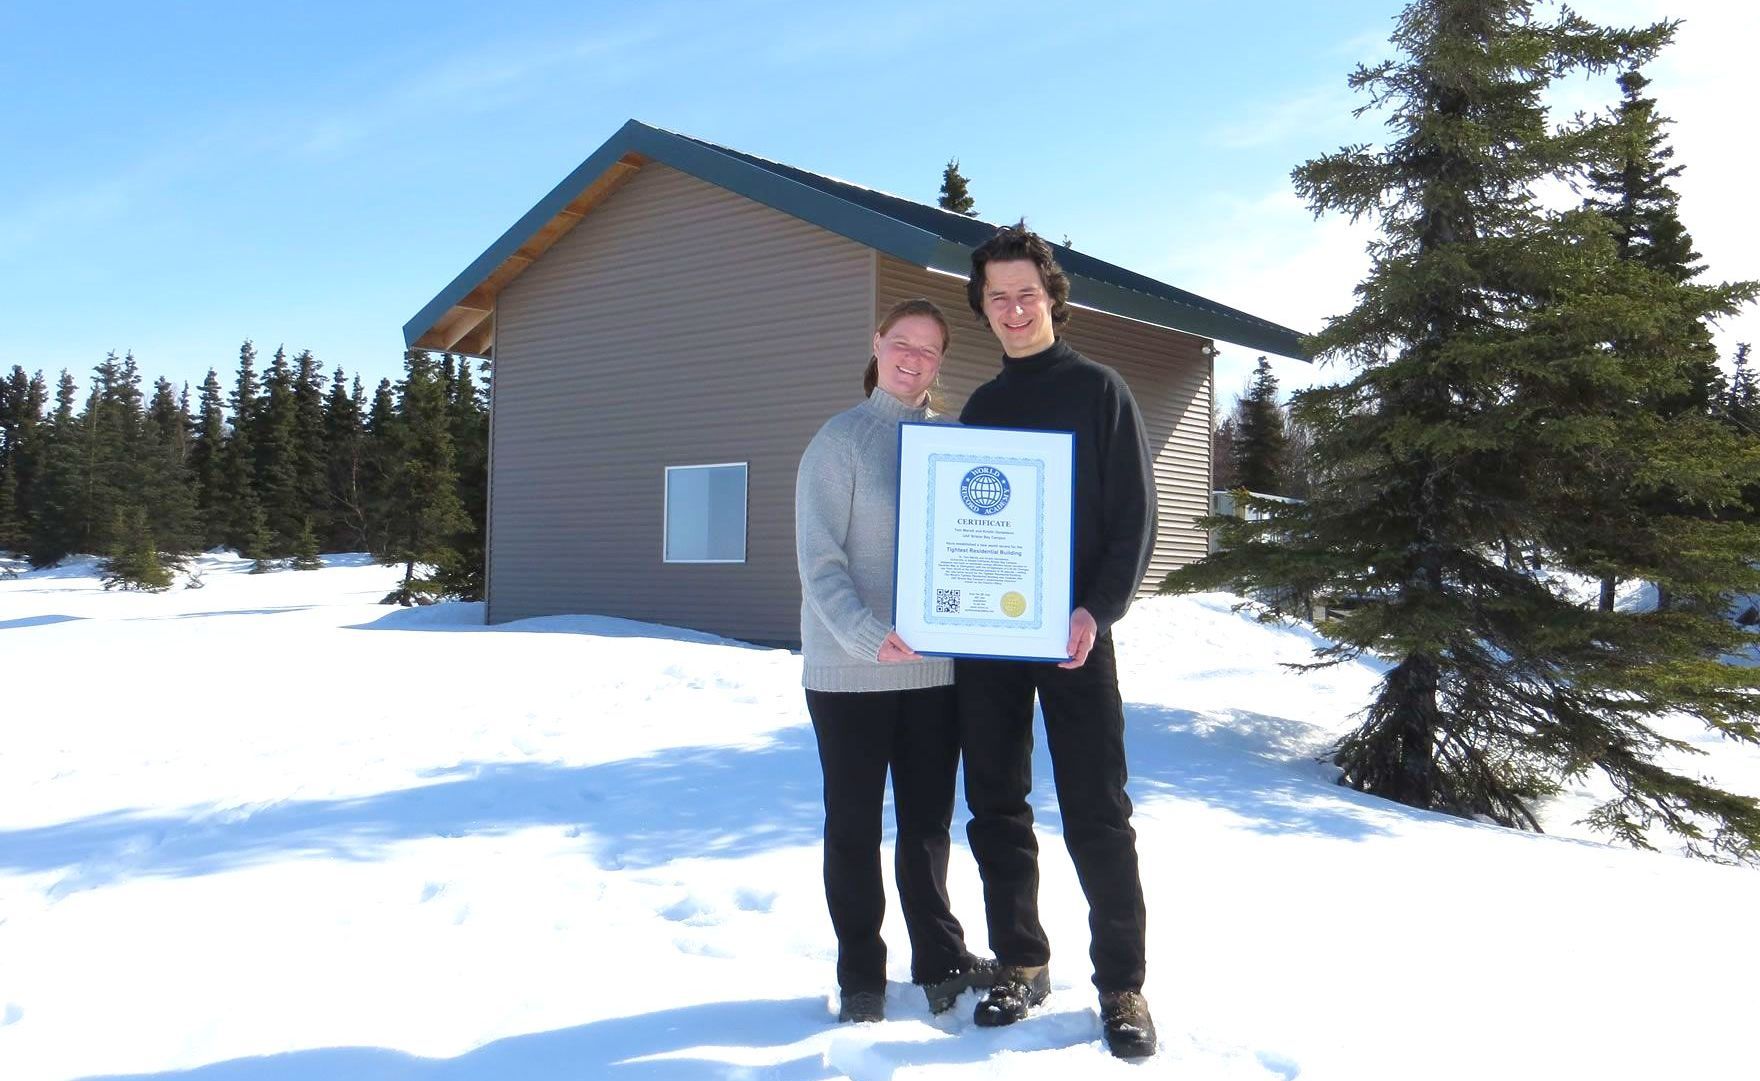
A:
[(496, 77), (1269, 256)]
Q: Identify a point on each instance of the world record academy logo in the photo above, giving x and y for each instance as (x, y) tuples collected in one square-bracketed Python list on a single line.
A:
[(984, 490)]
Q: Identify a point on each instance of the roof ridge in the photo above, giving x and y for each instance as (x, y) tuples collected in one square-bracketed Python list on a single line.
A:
[(921, 233)]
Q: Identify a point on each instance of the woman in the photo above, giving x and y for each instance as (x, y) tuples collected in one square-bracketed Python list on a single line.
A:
[(876, 704)]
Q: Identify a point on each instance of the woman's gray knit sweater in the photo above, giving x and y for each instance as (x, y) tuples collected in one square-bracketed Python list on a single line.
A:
[(845, 515)]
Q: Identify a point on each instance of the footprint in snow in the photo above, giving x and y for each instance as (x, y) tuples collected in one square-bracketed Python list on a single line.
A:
[(751, 900), (701, 947), (692, 911)]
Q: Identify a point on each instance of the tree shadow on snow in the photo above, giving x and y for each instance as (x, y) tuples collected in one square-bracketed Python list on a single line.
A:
[(36, 621), (223, 613), (710, 801), (1259, 767), (713, 801), (623, 1048)]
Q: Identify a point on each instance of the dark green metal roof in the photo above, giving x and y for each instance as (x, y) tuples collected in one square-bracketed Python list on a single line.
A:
[(924, 236)]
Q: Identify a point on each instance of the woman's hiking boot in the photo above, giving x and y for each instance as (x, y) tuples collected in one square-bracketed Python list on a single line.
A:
[(943, 993), (1017, 989), (857, 1007)]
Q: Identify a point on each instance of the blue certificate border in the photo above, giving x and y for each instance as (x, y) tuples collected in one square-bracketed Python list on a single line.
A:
[(1071, 436), (1037, 465)]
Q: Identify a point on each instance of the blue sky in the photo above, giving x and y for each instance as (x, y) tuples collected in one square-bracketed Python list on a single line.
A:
[(181, 176)]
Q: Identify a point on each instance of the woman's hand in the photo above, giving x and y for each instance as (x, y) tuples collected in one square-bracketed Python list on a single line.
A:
[(893, 650)]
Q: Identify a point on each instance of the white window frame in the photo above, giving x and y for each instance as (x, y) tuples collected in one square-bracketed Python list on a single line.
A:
[(745, 508)]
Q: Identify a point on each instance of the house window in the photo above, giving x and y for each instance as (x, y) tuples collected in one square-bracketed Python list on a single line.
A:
[(705, 513)]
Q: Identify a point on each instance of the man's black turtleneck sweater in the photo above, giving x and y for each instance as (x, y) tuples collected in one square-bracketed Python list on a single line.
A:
[(1061, 390)]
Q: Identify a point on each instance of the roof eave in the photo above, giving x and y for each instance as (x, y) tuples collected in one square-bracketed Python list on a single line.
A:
[(459, 317)]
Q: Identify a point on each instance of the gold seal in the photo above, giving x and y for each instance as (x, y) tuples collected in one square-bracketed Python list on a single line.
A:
[(1013, 604)]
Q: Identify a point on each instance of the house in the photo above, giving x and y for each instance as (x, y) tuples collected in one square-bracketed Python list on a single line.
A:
[(673, 322)]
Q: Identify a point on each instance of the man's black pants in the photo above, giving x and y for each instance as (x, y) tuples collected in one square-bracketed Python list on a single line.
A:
[(860, 735), (1084, 729)]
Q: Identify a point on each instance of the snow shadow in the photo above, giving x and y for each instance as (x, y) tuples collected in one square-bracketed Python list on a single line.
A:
[(469, 615), (623, 1048), (36, 621), (685, 802), (1253, 765), (224, 613)]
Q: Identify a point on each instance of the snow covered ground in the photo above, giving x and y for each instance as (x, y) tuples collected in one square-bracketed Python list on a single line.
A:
[(271, 830)]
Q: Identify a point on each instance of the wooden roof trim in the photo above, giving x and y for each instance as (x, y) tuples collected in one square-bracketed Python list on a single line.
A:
[(467, 322)]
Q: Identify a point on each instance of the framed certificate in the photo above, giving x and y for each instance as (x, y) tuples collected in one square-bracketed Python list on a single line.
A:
[(984, 560)]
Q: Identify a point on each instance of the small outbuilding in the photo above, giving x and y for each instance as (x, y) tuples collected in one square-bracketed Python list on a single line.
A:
[(673, 322)]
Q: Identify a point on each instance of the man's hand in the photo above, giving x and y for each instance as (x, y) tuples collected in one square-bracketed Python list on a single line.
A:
[(1082, 632), (893, 650)]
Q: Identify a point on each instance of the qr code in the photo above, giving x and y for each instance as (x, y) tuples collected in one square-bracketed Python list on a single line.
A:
[(946, 601)]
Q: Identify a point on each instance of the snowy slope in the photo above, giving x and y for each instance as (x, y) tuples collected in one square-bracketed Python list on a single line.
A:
[(271, 830)]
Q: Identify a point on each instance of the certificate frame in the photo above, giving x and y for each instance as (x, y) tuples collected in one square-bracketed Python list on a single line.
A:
[(984, 564)]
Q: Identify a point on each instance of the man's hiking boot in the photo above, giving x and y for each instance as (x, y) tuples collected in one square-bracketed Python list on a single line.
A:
[(1124, 1018), (1017, 989), (859, 1006), (942, 994)]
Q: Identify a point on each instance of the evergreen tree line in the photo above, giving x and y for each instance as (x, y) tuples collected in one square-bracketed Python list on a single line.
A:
[(1533, 399), (284, 466), (1266, 448)]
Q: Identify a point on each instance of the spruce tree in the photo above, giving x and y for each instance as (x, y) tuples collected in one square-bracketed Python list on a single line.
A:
[(166, 489), (113, 467), (277, 446), (56, 526), (1486, 382), (239, 464), (9, 518), (22, 400), (344, 439), (135, 562), (311, 474), (1632, 190), (207, 464), (1222, 440), (382, 451), (462, 577), (13, 536), (259, 543), (305, 550), (422, 510), (954, 193), (1259, 438)]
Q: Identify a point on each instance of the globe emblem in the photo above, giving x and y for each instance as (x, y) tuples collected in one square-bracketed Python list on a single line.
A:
[(984, 490)]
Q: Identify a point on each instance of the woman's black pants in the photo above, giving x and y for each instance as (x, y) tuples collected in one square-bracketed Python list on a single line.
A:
[(860, 735)]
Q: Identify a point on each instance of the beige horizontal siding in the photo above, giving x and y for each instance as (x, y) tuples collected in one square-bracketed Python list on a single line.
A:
[(1168, 373), (678, 324)]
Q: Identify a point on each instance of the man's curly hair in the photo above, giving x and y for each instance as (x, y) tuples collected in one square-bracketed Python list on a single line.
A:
[(1015, 242)]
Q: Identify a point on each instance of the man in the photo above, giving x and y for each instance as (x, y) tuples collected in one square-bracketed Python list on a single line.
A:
[(1020, 291)]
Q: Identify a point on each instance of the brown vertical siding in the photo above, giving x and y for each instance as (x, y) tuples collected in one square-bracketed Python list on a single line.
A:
[(678, 324), (1168, 372)]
